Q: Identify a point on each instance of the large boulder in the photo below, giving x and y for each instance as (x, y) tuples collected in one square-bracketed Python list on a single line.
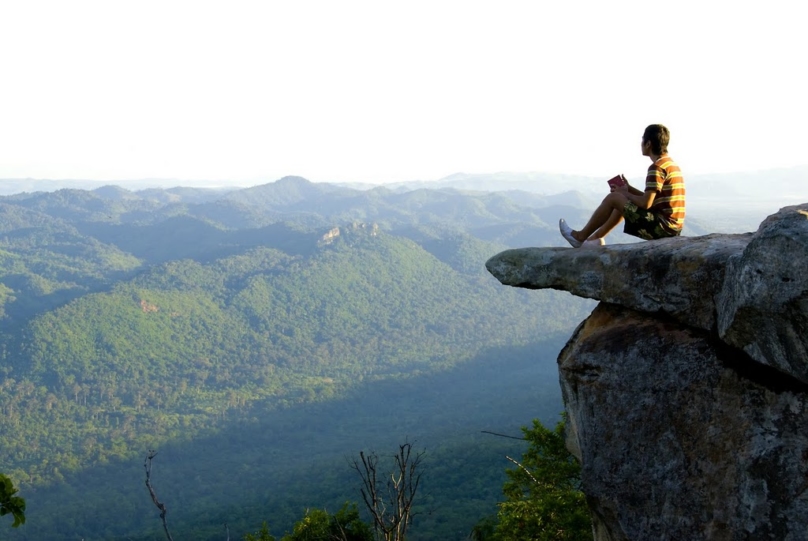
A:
[(763, 305)]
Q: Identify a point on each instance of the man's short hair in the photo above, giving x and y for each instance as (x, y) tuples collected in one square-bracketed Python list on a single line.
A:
[(659, 137)]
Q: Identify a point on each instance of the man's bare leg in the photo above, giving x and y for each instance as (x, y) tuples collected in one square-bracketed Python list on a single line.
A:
[(613, 221), (614, 202)]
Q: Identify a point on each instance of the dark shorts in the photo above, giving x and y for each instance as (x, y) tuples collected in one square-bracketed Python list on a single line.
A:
[(644, 224)]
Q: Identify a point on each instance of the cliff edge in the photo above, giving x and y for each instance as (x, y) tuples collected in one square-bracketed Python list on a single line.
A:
[(686, 387)]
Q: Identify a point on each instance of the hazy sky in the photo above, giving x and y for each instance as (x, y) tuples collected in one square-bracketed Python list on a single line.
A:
[(379, 91)]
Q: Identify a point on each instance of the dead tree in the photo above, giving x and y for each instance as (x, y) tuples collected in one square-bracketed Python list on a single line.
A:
[(390, 504), (147, 464)]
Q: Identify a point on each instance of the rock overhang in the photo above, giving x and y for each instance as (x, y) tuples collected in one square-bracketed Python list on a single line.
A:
[(733, 285)]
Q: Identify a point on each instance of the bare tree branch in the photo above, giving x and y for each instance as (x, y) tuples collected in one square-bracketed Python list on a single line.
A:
[(391, 511), (147, 464), (502, 435), (523, 469)]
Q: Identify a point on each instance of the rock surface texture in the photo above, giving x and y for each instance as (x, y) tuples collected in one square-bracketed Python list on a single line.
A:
[(686, 387)]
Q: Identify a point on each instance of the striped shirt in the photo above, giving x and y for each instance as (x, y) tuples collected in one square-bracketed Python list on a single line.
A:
[(665, 178)]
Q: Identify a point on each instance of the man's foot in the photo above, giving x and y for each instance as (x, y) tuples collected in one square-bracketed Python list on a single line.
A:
[(593, 243), (566, 232)]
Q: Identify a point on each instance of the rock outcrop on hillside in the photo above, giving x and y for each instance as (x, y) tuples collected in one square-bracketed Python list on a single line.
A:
[(686, 387)]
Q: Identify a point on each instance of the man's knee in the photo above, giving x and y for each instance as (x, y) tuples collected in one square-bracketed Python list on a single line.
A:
[(616, 200)]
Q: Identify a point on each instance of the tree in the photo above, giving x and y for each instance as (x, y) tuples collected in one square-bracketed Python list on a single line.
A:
[(390, 505), (261, 535), (544, 501), (9, 503), (319, 525)]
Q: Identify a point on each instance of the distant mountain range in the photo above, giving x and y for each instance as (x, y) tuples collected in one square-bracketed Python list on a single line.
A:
[(739, 184), (726, 202)]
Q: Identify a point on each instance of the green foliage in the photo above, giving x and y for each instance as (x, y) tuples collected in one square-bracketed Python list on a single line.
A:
[(168, 353), (5, 296), (9, 503), (45, 262), (320, 525), (261, 535), (544, 501)]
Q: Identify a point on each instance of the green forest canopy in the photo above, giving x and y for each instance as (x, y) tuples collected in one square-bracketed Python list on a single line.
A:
[(109, 347)]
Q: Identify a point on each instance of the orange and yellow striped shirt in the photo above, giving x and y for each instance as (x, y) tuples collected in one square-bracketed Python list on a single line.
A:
[(665, 178)]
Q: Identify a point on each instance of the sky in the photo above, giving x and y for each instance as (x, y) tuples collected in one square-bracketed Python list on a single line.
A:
[(374, 91)]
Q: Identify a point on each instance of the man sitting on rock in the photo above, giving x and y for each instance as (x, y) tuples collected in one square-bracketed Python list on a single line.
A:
[(656, 213)]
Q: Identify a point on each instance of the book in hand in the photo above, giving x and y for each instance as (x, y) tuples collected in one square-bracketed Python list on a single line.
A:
[(616, 182)]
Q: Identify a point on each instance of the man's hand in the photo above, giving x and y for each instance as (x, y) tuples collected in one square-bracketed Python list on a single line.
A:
[(624, 189), (643, 200)]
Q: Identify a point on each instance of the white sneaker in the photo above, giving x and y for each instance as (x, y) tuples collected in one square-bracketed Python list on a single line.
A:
[(566, 232), (593, 243)]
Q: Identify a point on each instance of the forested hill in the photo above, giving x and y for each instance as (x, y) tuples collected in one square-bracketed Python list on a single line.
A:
[(59, 245), (167, 318)]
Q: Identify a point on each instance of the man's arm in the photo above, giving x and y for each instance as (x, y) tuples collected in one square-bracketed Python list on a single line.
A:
[(634, 191), (643, 200)]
